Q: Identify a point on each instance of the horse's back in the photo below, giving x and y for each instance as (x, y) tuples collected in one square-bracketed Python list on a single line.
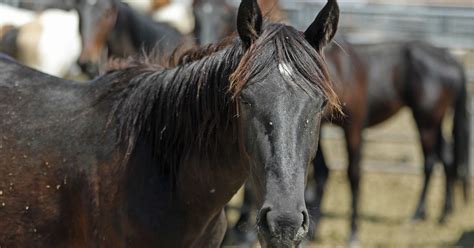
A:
[(435, 64), (41, 107), (384, 77), (49, 147), (434, 79), (21, 84)]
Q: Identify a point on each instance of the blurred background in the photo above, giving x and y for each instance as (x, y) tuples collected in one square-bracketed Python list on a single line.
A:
[(392, 158)]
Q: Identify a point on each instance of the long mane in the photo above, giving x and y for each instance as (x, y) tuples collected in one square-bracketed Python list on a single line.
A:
[(186, 105)]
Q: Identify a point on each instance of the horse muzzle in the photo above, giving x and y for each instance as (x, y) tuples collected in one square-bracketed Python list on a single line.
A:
[(282, 228)]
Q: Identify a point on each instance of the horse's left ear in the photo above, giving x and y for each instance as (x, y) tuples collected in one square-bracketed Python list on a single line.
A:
[(249, 21), (324, 27)]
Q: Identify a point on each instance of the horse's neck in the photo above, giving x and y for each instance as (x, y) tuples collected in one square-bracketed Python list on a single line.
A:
[(198, 192)]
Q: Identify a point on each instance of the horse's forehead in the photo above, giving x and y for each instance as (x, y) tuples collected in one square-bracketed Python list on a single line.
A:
[(285, 70)]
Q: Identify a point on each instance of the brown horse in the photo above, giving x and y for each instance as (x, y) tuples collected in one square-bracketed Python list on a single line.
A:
[(110, 28), (148, 156), (390, 76)]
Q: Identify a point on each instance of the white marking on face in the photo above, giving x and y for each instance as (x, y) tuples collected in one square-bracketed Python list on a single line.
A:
[(285, 70), (92, 2)]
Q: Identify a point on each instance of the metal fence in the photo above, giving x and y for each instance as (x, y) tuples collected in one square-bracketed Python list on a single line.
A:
[(443, 26)]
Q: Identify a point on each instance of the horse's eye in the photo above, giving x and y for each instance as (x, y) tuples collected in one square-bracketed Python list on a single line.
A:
[(325, 102), (243, 101)]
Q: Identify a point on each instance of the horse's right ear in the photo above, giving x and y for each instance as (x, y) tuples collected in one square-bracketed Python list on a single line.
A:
[(324, 27), (249, 21)]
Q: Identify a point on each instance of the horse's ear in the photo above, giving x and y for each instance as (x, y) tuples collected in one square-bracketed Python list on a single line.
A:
[(324, 27), (249, 21)]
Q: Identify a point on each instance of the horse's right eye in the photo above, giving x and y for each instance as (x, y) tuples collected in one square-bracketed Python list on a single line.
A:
[(243, 101)]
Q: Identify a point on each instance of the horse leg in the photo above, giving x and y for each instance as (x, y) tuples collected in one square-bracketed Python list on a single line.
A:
[(428, 138), (242, 234), (321, 173), (243, 224), (444, 153), (354, 143)]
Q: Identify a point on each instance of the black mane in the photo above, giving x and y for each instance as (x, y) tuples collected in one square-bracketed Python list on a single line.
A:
[(186, 107)]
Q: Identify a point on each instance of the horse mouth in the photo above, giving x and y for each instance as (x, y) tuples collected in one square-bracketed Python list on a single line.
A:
[(283, 240), (280, 243)]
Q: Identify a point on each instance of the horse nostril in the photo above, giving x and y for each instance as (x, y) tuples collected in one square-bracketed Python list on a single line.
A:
[(262, 219), (283, 224), (305, 224)]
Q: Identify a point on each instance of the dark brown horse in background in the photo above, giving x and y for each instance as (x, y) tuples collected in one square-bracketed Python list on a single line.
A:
[(148, 156), (424, 78), (112, 29)]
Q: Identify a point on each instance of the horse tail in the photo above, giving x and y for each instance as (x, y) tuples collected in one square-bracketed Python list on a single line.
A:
[(461, 138)]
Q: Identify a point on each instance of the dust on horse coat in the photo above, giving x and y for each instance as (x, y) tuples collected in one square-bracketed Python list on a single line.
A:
[(49, 42)]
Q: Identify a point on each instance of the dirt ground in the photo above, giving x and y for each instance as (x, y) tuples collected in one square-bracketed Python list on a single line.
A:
[(387, 203)]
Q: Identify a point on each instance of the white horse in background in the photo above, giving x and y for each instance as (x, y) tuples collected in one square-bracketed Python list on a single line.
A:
[(48, 41), (178, 13), (14, 16)]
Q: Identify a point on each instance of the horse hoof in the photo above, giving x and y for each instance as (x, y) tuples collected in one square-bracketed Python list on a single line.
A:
[(443, 219), (354, 241), (418, 216)]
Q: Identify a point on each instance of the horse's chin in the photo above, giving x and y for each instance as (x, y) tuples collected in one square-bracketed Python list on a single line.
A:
[(279, 243)]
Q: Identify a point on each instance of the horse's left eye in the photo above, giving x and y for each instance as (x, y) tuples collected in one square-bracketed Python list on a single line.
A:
[(325, 102)]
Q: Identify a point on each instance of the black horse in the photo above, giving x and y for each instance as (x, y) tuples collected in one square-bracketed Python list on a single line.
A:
[(148, 156), (373, 83)]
